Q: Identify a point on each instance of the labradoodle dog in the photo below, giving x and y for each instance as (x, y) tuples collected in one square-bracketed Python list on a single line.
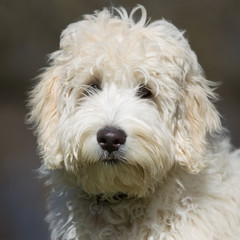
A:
[(131, 142)]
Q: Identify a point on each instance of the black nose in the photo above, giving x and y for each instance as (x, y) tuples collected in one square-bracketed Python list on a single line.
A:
[(111, 138)]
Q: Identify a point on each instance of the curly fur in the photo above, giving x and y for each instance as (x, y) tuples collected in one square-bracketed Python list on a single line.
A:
[(176, 170)]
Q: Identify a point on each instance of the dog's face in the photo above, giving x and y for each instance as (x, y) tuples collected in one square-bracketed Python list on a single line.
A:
[(121, 104)]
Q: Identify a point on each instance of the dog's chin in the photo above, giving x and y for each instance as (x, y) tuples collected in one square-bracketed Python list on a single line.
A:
[(112, 176)]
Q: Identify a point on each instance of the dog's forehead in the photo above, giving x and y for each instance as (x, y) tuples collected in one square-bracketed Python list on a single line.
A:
[(120, 57), (114, 50), (127, 51), (116, 40)]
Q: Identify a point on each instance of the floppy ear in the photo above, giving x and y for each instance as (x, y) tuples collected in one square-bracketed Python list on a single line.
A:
[(197, 116), (43, 103)]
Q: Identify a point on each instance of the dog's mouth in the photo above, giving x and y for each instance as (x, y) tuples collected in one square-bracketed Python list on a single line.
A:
[(113, 158), (113, 161)]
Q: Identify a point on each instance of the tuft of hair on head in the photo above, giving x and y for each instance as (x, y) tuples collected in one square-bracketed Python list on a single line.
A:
[(132, 18)]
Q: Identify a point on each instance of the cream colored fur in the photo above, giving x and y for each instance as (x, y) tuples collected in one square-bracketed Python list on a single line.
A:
[(176, 167)]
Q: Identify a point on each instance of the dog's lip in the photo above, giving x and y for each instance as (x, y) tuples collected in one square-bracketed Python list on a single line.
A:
[(113, 158), (111, 161)]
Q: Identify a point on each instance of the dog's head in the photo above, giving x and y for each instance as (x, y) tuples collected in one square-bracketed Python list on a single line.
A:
[(122, 103)]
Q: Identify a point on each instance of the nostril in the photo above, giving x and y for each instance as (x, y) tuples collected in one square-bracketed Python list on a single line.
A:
[(111, 138), (102, 140), (117, 141)]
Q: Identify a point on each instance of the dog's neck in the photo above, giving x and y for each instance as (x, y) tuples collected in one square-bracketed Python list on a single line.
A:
[(100, 200)]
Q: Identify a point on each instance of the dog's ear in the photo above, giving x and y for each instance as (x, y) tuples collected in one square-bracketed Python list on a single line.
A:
[(197, 116), (43, 103)]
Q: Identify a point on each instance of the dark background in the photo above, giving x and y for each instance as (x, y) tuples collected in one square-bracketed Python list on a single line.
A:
[(30, 29)]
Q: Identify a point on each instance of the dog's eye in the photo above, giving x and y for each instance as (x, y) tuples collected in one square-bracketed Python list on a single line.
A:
[(95, 86), (144, 92)]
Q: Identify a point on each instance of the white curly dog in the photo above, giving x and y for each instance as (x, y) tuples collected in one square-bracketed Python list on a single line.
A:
[(131, 142)]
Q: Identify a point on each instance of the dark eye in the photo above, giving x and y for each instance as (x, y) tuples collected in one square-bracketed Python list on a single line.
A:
[(144, 92), (95, 85)]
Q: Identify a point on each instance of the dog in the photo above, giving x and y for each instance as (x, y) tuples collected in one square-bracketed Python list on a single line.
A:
[(132, 145)]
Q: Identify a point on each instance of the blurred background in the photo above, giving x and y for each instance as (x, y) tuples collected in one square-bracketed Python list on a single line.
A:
[(30, 30)]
